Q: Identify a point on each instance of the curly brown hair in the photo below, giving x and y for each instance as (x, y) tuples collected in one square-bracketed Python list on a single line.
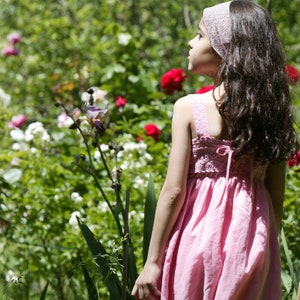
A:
[(257, 106)]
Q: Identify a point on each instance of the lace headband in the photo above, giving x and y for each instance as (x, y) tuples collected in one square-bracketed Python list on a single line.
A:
[(218, 26)]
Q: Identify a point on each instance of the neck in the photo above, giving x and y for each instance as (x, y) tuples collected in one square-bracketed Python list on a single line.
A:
[(219, 92)]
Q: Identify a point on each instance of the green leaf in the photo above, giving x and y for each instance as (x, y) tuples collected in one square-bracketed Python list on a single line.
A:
[(286, 281), (288, 259), (43, 295), (131, 272), (12, 175), (110, 279), (92, 291), (150, 207)]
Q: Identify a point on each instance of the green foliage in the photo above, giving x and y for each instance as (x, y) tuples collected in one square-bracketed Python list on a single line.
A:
[(123, 47), (109, 276), (150, 206)]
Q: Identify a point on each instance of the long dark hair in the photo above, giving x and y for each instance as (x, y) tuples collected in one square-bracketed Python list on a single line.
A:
[(256, 107)]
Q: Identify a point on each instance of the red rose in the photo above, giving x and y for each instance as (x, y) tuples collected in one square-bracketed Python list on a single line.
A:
[(172, 80), (153, 131), (120, 102), (293, 162), (204, 89), (292, 74)]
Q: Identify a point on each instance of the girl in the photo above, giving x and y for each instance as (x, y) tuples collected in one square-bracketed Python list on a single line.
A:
[(220, 209)]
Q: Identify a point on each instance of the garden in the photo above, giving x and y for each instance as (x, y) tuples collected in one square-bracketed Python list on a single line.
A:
[(86, 97)]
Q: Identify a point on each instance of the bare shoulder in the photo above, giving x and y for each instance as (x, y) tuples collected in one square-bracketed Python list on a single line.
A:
[(215, 122), (183, 107), (186, 101)]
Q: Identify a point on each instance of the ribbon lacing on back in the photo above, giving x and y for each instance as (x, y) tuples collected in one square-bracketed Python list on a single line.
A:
[(227, 150)]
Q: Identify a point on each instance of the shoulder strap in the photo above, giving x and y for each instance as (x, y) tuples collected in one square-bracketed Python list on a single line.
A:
[(200, 117)]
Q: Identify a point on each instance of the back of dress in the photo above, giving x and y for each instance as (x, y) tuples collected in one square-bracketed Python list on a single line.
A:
[(213, 157), (220, 246)]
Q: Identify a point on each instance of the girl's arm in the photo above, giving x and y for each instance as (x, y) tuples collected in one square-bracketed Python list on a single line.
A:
[(275, 183), (170, 200)]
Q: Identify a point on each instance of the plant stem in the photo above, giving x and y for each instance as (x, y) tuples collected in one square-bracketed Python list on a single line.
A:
[(125, 245)]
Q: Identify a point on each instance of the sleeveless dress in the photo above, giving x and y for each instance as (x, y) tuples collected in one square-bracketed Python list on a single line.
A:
[(224, 245)]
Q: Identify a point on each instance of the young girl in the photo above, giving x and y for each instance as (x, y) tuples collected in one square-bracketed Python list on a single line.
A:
[(219, 212)]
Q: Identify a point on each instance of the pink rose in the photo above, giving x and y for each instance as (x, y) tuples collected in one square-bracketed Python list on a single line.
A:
[(14, 38), (17, 121), (204, 89), (10, 51), (120, 102), (173, 80)]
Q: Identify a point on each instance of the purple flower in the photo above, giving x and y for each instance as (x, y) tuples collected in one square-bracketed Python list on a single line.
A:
[(14, 38), (99, 127), (94, 116), (94, 112), (10, 51)]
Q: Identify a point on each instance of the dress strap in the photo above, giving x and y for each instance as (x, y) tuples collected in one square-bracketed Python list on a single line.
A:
[(200, 118)]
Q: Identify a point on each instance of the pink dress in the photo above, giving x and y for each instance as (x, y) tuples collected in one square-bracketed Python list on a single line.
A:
[(224, 245)]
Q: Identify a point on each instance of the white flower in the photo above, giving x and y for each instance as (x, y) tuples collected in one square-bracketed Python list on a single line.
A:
[(138, 182), (15, 161), (15, 279), (20, 146), (97, 155), (104, 147), (85, 97), (36, 130), (124, 39), (57, 136), (4, 98), (64, 120), (76, 197), (126, 165), (135, 146), (148, 156), (11, 277), (73, 220), (34, 150), (99, 95), (17, 135), (103, 207)]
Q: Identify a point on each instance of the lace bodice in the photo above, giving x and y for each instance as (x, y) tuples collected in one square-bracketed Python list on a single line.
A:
[(212, 157)]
